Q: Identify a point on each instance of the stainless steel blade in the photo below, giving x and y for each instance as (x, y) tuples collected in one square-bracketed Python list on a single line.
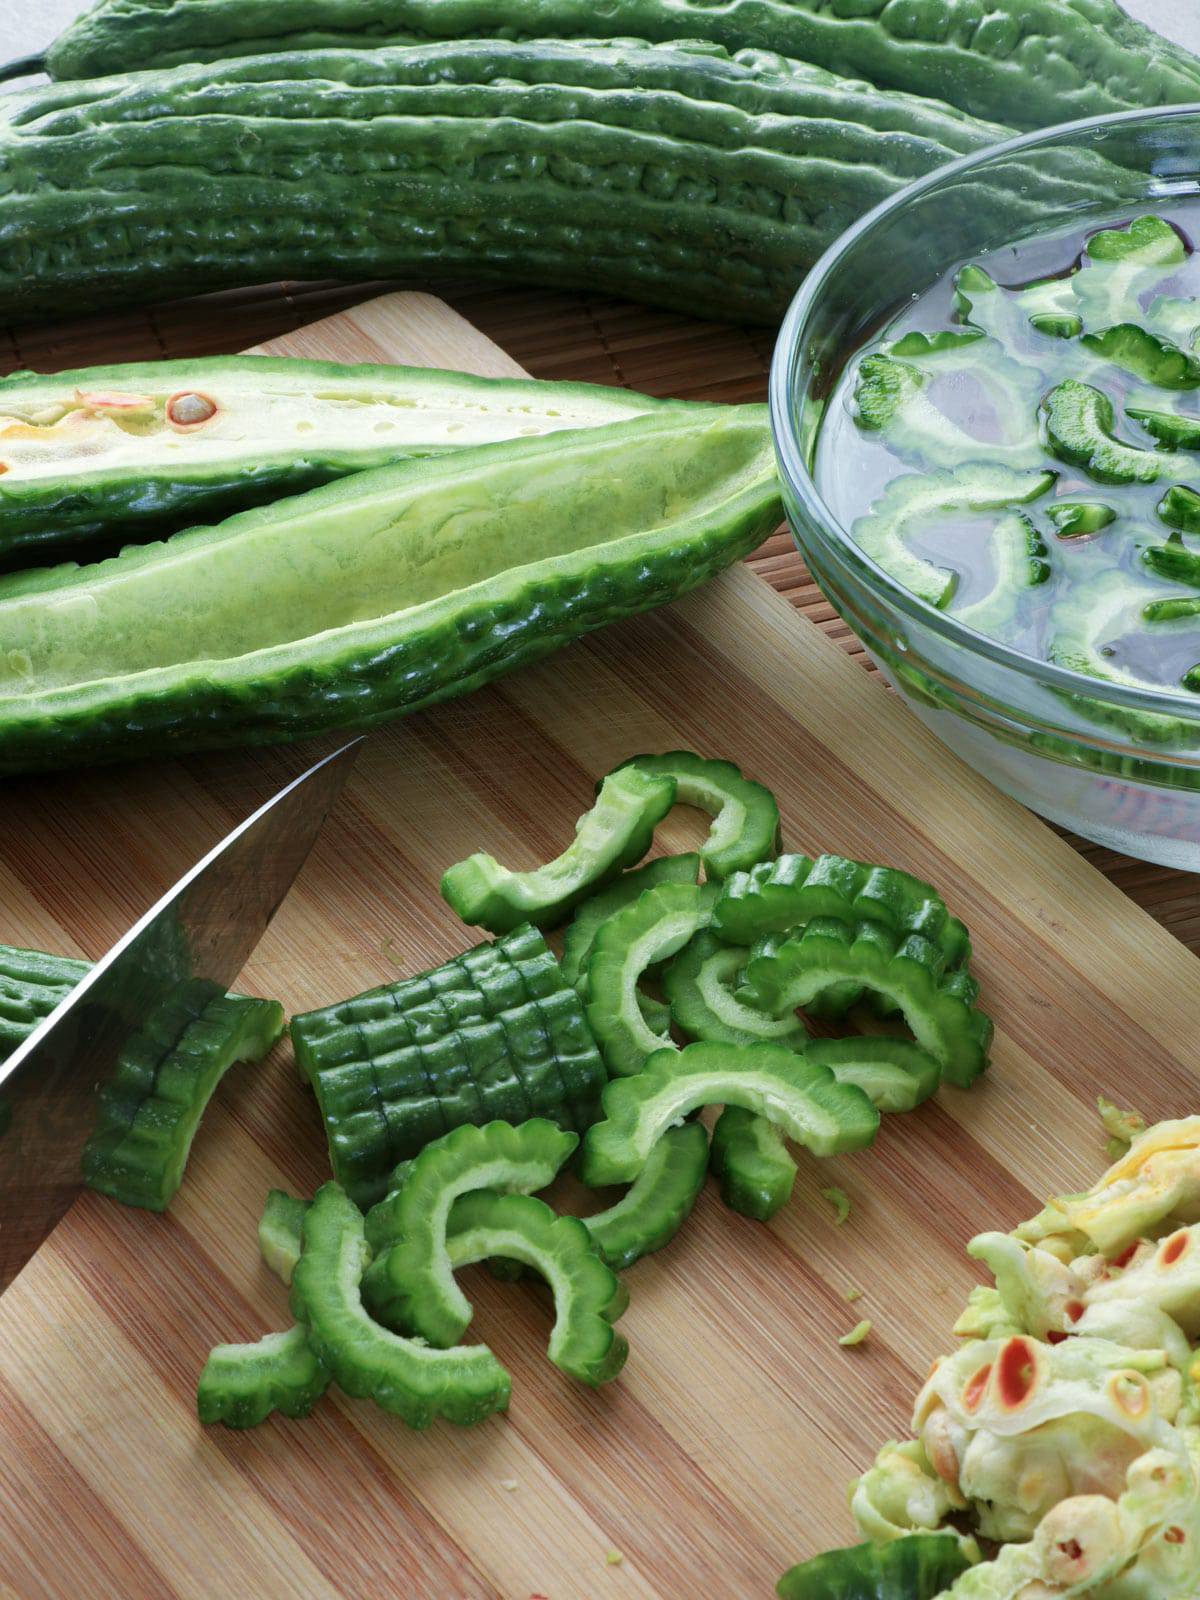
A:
[(201, 931)]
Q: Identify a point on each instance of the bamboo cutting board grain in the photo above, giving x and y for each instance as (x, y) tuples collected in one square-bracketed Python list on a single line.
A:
[(721, 1454)]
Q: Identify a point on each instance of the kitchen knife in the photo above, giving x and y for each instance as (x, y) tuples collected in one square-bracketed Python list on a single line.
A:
[(204, 928)]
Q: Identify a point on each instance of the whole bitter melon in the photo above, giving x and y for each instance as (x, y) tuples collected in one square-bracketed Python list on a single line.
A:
[(674, 174), (1031, 62)]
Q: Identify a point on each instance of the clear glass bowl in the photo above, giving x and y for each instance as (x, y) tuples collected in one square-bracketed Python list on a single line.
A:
[(1119, 765)]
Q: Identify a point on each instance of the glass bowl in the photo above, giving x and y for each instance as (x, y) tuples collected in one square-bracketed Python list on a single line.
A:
[(1117, 764)]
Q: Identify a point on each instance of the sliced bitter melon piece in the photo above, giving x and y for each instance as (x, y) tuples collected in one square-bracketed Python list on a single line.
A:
[(1172, 429), (1079, 423), (749, 1155), (1135, 349), (140, 1159), (700, 985), (1092, 613), (1020, 560), (1179, 508), (242, 1384), (920, 1566), (882, 533), (1076, 519), (745, 826), (1173, 561), (281, 1233), (657, 1203), (655, 926), (616, 832), (801, 1095), (368, 1361), (411, 1285), (907, 971), (1120, 265), (779, 896), (891, 398), (1008, 314), (597, 908)]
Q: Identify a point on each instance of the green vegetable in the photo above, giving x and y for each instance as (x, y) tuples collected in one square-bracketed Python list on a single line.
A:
[(748, 1152), (242, 1384), (840, 1201), (921, 1566), (495, 1034), (1079, 423), (1121, 265), (778, 896), (368, 1361), (890, 398), (750, 1161), (801, 1096), (909, 501), (597, 908), (167, 1073), (411, 1285), (1170, 428), (1135, 349), (616, 832), (1020, 563), (1180, 508), (745, 815), (96, 458), (1093, 613), (907, 970), (386, 591), (31, 985), (1032, 64), (603, 166), (657, 1203), (1075, 518), (658, 923), (1008, 314), (700, 983), (281, 1233), (1173, 561), (588, 1295), (857, 1334)]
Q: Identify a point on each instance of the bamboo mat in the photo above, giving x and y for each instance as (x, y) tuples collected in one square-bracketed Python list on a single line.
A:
[(552, 335)]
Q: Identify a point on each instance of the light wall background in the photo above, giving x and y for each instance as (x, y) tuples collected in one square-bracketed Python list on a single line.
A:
[(28, 25)]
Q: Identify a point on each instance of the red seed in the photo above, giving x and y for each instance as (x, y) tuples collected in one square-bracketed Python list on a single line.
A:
[(1016, 1373), (1055, 1336), (1126, 1255), (1175, 1247), (975, 1386), (1074, 1309), (1175, 1536)]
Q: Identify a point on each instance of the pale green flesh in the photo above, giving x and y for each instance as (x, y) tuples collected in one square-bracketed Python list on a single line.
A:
[(115, 419), (665, 939), (715, 977), (805, 989), (728, 814), (759, 1092), (353, 557), (482, 1244)]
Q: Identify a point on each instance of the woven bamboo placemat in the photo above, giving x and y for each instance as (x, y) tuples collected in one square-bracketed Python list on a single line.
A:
[(593, 340)]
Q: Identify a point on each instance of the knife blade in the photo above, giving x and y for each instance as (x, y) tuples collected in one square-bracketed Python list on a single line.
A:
[(203, 929)]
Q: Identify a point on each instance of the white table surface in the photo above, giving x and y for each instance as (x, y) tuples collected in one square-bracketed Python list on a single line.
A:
[(28, 25)]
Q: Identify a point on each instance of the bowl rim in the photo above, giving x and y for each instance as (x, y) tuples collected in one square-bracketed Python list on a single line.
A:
[(799, 480)]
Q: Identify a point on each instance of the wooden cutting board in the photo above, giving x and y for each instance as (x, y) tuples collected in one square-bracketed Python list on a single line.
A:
[(722, 1453)]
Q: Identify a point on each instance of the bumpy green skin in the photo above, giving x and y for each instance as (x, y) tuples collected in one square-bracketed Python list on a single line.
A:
[(1173, 561), (151, 1108), (369, 1361), (1172, 430), (919, 1567), (1134, 349), (266, 438), (1073, 518), (658, 1202), (242, 1384), (907, 970), (713, 473), (597, 908), (1079, 422), (745, 815), (1030, 62), (802, 1096), (595, 165), (615, 833), (1180, 508), (411, 1285), (494, 1034), (31, 985), (784, 894), (658, 923), (751, 1163)]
